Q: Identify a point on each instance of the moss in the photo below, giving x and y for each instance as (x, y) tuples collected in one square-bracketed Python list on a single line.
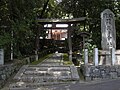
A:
[(67, 63), (66, 60), (65, 57), (41, 59)]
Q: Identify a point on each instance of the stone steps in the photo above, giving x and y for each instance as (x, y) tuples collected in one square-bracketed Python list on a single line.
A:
[(33, 86), (44, 79), (45, 74)]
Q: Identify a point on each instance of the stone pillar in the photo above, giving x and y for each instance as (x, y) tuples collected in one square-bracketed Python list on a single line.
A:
[(11, 56), (85, 56), (60, 35), (113, 56), (70, 42), (1, 57), (36, 55), (51, 34), (83, 42), (37, 40), (108, 57), (95, 57)]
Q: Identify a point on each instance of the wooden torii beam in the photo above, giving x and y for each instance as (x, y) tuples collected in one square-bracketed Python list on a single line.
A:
[(60, 21)]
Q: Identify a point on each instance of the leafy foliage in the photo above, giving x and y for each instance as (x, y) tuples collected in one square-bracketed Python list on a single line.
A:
[(92, 9), (18, 17)]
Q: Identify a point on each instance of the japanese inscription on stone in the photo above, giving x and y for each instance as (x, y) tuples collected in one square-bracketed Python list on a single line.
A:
[(108, 30)]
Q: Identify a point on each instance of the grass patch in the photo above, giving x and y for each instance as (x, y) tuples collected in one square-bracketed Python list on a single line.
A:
[(65, 57), (41, 59), (66, 60), (67, 63)]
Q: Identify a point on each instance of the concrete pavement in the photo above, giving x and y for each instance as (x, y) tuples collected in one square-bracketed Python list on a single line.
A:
[(93, 85)]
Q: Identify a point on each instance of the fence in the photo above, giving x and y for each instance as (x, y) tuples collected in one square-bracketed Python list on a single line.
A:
[(98, 70), (100, 58)]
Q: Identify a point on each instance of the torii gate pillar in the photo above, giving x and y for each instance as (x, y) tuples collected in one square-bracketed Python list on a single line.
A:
[(69, 42)]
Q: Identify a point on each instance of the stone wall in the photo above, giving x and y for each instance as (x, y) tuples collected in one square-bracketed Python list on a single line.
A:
[(91, 72), (6, 71), (9, 69)]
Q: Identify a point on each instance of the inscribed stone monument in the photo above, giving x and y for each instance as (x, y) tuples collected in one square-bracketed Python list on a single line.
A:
[(108, 33)]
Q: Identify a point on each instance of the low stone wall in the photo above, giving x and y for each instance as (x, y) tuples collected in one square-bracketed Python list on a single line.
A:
[(7, 70), (91, 72)]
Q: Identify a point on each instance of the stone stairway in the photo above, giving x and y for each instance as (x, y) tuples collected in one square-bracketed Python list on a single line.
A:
[(50, 72)]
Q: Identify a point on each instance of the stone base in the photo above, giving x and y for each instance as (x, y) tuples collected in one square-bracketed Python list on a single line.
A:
[(100, 72)]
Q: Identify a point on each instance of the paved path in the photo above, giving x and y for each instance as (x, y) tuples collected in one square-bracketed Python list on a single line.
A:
[(105, 85)]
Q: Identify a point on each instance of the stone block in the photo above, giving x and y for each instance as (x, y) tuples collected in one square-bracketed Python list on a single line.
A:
[(113, 69), (118, 73), (118, 70), (88, 78), (107, 69), (95, 73), (2, 82), (96, 78), (3, 77), (74, 73), (103, 74), (86, 70), (113, 75)]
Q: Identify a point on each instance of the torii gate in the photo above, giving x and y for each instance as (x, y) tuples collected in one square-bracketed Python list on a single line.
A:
[(57, 21)]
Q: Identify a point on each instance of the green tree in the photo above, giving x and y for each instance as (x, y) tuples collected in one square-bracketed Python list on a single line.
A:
[(19, 17), (92, 9)]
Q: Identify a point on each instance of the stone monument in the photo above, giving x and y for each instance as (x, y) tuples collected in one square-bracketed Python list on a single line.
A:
[(1, 57), (108, 33)]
